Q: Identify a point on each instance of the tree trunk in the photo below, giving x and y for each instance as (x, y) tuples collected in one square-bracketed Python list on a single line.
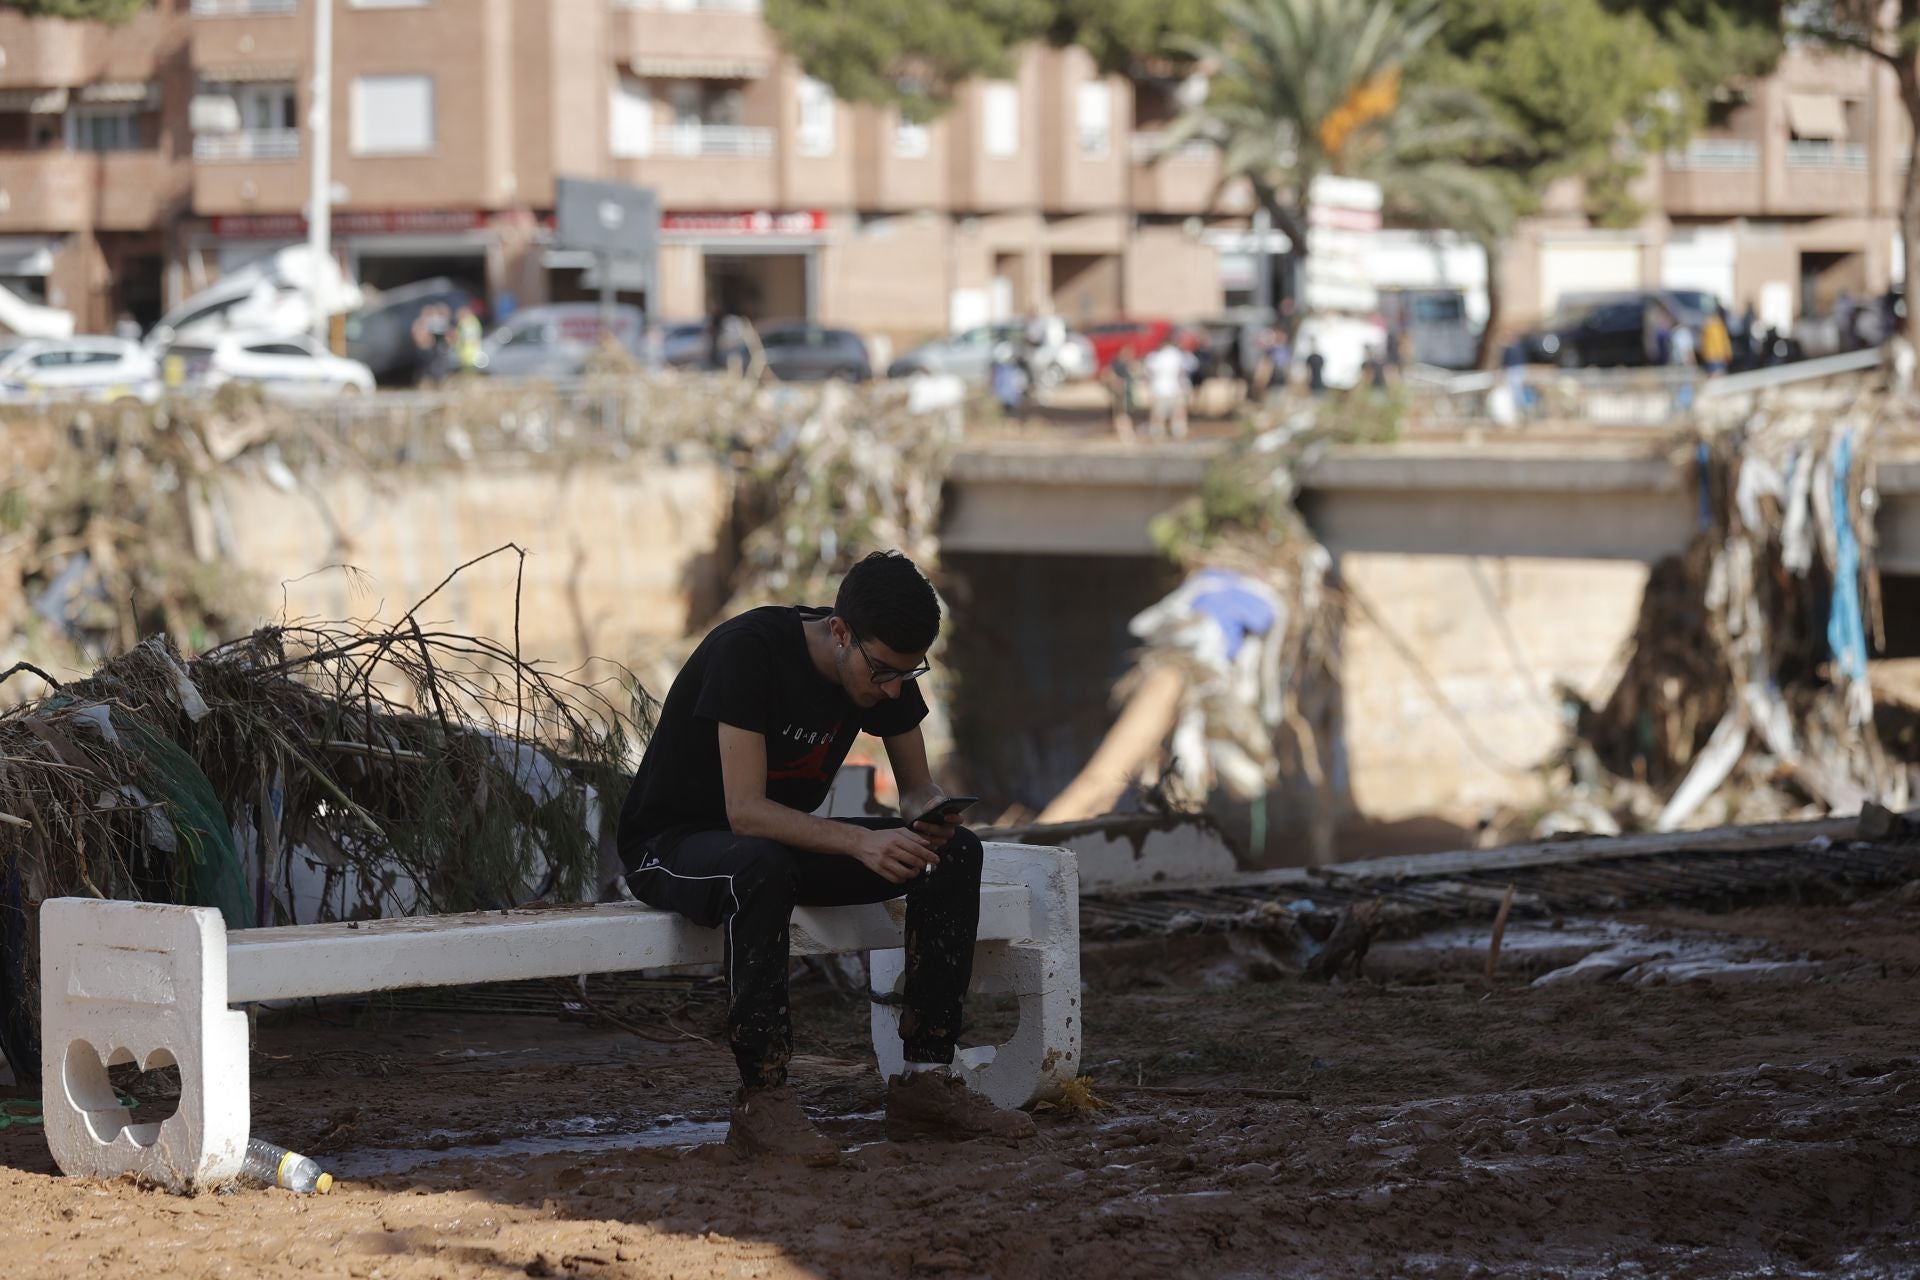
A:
[(1488, 356)]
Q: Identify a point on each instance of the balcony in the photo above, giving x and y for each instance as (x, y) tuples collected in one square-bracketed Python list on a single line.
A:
[(246, 145), (242, 8), (705, 39), (1724, 155), (1180, 180), (70, 190), (686, 6), (1713, 178), (1816, 154), (707, 166), (43, 53), (712, 140)]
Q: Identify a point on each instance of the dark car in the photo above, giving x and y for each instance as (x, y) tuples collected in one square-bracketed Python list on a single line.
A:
[(801, 352), (686, 344), (380, 334), (1609, 330)]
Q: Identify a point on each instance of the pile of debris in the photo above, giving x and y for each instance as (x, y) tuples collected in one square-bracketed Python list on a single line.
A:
[(1232, 688), (301, 774), (1745, 694)]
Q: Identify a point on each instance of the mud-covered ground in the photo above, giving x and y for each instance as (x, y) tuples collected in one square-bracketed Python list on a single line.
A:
[(1759, 1121)]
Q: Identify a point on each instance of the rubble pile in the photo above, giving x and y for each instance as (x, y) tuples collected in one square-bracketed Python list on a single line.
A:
[(302, 774), (1746, 694), (1232, 688)]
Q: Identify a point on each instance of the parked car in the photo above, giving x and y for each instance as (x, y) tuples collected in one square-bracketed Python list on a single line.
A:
[(799, 351), (684, 344), (969, 355), (289, 366), (97, 369), (1609, 329), (556, 341), (1109, 338), (380, 334)]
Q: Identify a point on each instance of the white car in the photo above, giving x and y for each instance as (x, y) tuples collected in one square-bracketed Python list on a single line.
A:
[(95, 369), (287, 366)]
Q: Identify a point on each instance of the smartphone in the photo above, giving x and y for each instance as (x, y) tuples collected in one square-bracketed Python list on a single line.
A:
[(951, 805)]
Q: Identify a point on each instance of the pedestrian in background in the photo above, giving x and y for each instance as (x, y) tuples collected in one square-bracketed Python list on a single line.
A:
[(1122, 378), (1316, 372), (468, 335), (1716, 344), (1168, 387), (1009, 380)]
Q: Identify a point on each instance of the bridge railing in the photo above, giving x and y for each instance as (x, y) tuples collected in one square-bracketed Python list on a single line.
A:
[(1627, 397)]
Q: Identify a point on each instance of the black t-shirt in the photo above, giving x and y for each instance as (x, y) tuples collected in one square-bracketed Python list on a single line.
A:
[(752, 672)]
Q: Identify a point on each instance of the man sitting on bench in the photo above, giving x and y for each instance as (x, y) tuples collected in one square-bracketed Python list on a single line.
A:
[(719, 827)]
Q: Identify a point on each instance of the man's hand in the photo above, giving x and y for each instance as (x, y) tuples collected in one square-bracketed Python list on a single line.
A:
[(919, 801), (895, 854)]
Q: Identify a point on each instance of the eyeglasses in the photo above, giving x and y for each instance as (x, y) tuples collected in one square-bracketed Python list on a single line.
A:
[(882, 673)]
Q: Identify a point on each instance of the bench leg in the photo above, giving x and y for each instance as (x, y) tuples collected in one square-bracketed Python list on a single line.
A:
[(1042, 972), (142, 983)]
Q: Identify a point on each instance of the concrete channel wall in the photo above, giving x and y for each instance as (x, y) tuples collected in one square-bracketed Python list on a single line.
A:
[(620, 552)]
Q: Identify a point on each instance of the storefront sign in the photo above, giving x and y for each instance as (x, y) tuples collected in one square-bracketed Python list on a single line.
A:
[(380, 222), (759, 222)]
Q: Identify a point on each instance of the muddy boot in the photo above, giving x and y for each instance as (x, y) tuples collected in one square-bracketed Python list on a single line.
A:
[(769, 1122), (938, 1104)]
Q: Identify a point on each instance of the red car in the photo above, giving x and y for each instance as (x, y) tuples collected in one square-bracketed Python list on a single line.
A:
[(1111, 337)]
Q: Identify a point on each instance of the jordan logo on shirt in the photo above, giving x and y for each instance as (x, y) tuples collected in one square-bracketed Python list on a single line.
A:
[(811, 767)]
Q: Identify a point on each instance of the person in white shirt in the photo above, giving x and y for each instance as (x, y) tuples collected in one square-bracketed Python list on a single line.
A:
[(1167, 386)]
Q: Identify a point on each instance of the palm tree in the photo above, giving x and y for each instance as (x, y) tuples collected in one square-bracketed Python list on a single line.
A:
[(1302, 88)]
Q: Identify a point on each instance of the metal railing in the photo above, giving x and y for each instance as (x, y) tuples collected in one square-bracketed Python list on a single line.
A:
[(1151, 144), (1806, 153), (1718, 154), (248, 144), (1637, 397), (712, 140), (723, 6), (242, 8)]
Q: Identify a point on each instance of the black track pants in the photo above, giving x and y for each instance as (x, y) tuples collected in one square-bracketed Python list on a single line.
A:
[(750, 886)]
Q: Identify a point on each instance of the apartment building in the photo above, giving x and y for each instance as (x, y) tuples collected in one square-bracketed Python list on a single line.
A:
[(1789, 198), (137, 163), (93, 169)]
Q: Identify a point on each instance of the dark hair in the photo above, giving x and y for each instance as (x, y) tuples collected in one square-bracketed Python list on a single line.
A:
[(886, 598)]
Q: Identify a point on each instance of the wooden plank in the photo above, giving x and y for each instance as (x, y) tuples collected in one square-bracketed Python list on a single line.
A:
[(503, 946)]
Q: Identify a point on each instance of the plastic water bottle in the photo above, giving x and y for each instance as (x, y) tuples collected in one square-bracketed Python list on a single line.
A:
[(278, 1167)]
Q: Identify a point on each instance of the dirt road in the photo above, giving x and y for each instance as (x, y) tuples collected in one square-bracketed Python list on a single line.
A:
[(1760, 1124)]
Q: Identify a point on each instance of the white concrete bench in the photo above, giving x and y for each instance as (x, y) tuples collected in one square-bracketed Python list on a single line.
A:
[(155, 985)]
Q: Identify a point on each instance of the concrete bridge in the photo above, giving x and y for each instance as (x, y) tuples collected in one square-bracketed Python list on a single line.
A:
[(1581, 498)]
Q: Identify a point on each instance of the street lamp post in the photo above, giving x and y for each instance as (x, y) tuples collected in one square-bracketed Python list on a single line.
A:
[(320, 166)]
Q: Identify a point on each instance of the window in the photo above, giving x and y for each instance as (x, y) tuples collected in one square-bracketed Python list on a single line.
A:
[(630, 125), (1000, 117), (815, 137), (392, 115), (277, 349), (1093, 114), (910, 140), (103, 129), (266, 106)]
